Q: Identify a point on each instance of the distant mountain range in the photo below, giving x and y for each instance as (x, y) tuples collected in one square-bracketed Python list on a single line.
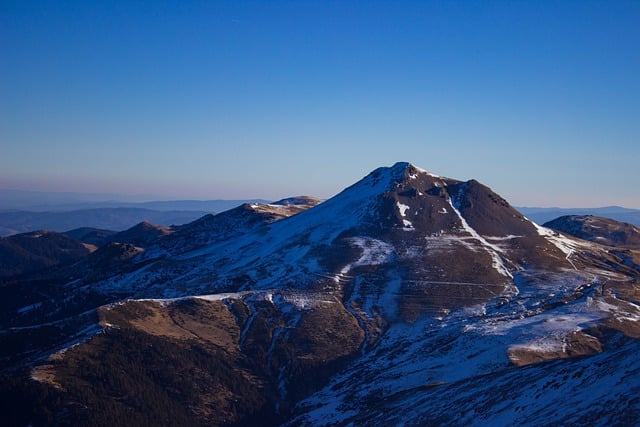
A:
[(116, 219), (406, 299), (39, 201), (25, 211)]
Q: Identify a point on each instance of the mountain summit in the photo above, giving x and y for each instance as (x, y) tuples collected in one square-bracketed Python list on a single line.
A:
[(408, 298)]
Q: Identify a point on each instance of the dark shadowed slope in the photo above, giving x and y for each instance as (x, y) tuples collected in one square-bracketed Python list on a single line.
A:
[(89, 235), (31, 252)]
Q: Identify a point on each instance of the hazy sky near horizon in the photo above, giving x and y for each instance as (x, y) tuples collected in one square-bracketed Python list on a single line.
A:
[(267, 99)]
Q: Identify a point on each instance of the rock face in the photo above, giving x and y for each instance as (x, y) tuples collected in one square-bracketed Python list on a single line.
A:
[(408, 298), (598, 229)]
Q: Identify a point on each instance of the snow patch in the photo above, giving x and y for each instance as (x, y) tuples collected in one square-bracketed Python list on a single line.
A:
[(403, 209), (300, 301), (565, 244), (223, 296), (425, 172), (29, 308), (374, 252)]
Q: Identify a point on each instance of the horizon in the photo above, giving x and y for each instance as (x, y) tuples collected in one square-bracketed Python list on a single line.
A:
[(227, 100), (84, 197)]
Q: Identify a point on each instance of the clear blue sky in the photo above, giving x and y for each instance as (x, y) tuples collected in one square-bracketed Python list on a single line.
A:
[(214, 99)]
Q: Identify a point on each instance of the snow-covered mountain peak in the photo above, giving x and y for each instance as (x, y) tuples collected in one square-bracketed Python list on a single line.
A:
[(399, 172), (410, 170)]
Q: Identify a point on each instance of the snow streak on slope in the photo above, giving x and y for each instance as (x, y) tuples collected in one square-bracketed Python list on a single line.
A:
[(492, 249), (374, 252)]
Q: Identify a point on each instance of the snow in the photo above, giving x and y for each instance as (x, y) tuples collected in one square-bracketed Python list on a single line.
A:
[(442, 243), (563, 243), (403, 209), (222, 296), (425, 172), (622, 310), (501, 238), (300, 301), (374, 252), (29, 308), (209, 297), (492, 249)]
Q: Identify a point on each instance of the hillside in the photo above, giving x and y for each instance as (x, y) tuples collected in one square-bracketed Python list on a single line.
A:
[(616, 213), (32, 252), (598, 229)]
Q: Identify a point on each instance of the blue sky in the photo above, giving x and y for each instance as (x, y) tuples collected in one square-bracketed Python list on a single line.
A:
[(241, 99)]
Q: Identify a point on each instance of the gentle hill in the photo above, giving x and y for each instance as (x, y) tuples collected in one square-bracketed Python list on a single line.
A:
[(31, 252), (542, 215), (92, 236), (598, 229), (141, 234)]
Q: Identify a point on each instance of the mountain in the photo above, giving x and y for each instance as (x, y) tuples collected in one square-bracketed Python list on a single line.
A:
[(598, 229), (142, 234), (542, 215), (232, 223), (408, 298)]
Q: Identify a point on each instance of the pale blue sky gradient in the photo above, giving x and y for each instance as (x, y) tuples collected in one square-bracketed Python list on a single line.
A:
[(243, 99)]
